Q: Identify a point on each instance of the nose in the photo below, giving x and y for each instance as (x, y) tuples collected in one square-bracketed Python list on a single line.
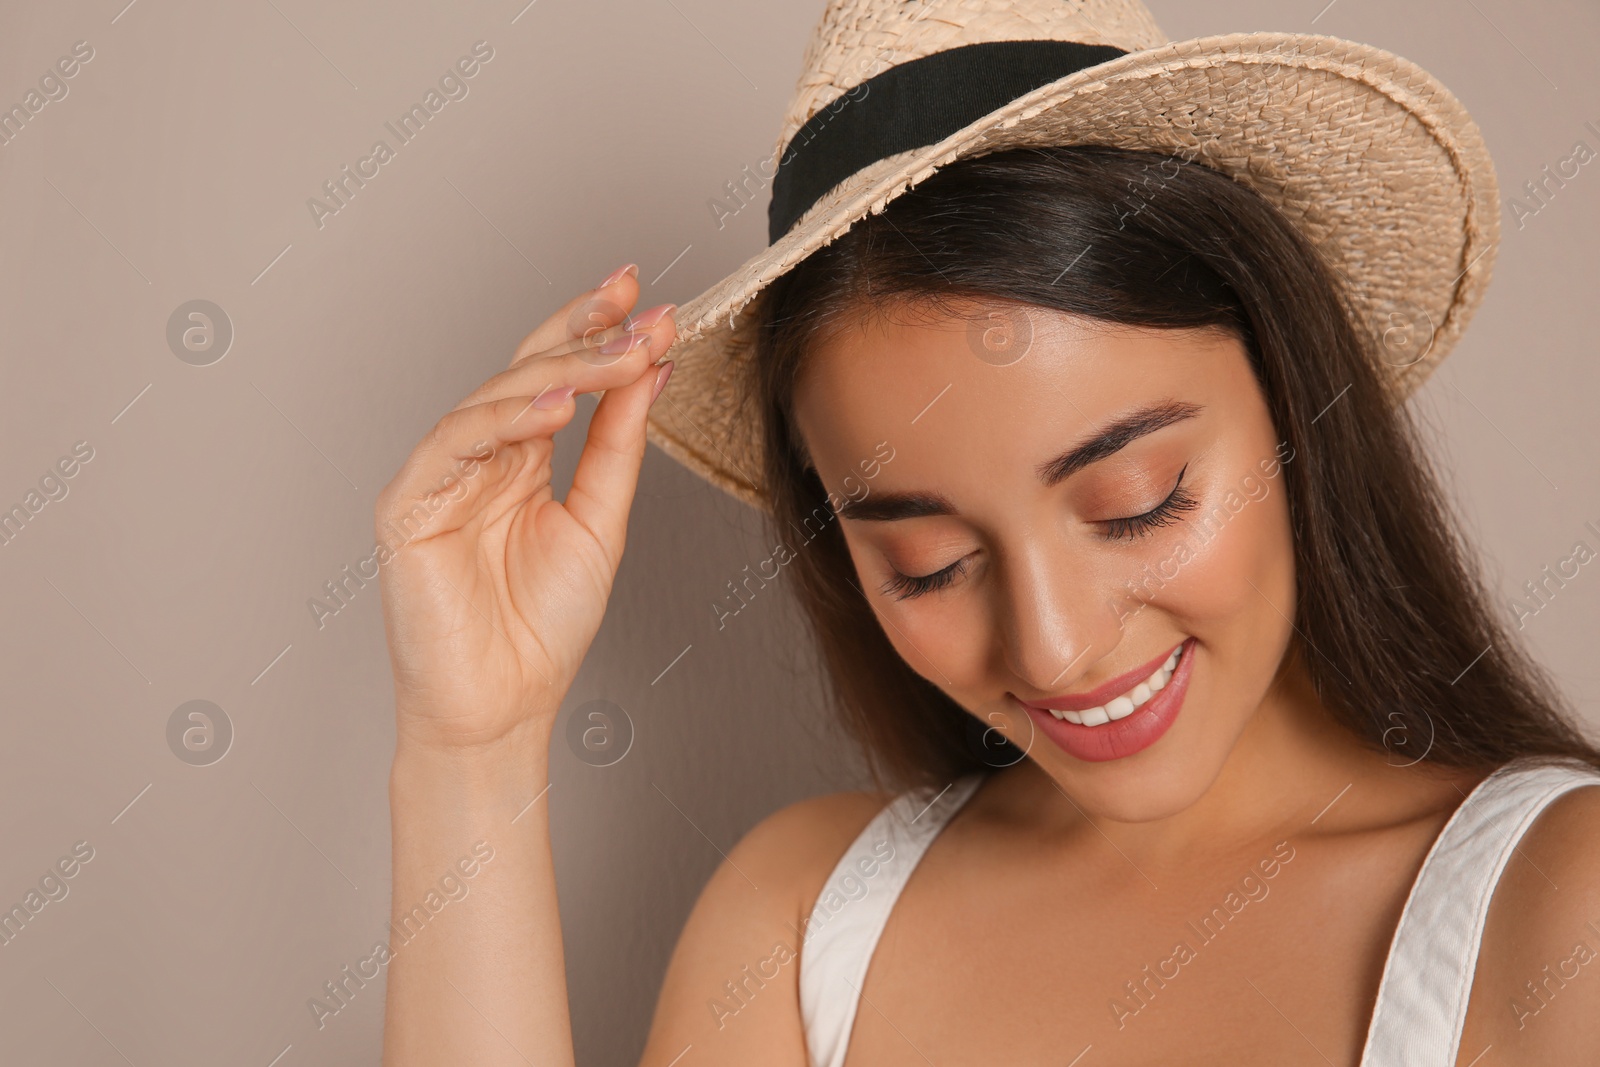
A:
[(1058, 619)]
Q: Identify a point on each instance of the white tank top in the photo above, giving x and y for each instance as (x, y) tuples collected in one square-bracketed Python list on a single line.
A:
[(1422, 998)]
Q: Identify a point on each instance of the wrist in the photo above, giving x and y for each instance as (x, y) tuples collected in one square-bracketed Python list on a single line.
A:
[(436, 737), (485, 774)]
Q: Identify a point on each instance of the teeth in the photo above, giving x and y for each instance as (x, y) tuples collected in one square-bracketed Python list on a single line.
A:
[(1123, 706)]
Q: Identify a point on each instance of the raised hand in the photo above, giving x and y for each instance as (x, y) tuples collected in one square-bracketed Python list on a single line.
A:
[(496, 588)]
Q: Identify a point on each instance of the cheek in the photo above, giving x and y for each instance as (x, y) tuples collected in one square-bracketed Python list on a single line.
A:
[(1237, 582), (948, 640)]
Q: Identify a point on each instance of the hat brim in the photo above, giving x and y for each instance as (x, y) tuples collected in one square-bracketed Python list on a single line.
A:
[(1374, 160)]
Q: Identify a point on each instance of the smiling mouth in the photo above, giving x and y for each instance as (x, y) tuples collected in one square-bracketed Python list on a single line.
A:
[(1123, 706)]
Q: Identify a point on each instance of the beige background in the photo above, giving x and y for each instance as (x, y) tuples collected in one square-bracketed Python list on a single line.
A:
[(180, 563)]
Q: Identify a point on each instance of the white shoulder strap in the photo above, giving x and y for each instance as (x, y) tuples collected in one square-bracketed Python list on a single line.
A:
[(853, 908), (1422, 999)]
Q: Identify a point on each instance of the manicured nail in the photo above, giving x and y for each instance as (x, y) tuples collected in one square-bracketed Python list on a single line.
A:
[(616, 275), (661, 379), (553, 398), (653, 316), (622, 343)]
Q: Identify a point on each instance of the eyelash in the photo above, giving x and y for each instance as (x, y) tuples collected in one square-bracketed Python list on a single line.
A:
[(1163, 514), (905, 586)]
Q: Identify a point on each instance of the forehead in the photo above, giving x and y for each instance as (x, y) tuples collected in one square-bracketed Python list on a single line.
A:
[(997, 384)]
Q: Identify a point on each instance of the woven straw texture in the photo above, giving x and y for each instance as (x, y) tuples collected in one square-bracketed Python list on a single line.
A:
[(1373, 159)]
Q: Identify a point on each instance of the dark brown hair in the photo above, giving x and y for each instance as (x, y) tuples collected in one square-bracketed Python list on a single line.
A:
[(1392, 623)]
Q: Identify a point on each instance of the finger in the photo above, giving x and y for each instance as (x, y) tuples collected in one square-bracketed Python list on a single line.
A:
[(616, 358), (440, 485), (607, 475), (589, 312)]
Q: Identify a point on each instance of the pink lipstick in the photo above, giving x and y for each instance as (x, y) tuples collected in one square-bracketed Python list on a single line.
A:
[(1123, 716)]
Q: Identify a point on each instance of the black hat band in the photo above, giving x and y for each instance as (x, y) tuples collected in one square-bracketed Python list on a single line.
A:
[(912, 105)]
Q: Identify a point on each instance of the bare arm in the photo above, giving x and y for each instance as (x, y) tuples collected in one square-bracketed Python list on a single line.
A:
[(731, 992), (490, 603), (1536, 989), (492, 594), (483, 980), (731, 995)]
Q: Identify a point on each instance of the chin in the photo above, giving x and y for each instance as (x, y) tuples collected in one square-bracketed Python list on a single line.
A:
[(1160, 786)]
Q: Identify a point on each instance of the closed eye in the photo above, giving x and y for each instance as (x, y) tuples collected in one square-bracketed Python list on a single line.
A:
[(906, 586), (1180, 500), (1165, 513)]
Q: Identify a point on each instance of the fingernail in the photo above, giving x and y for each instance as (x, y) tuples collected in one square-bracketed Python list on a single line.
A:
[(653, 316), (661, 379), (623, 343), (616, 275), (553, 398)]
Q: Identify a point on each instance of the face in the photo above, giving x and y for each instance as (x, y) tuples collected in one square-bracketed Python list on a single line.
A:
[(1046, 534)]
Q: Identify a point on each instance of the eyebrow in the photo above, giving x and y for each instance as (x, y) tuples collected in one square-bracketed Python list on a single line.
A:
[(1098, 445)]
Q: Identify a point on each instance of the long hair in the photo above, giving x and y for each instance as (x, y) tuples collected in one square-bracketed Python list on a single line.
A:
[(1392, 623)]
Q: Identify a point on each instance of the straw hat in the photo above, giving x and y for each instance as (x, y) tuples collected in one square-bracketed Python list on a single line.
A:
[(1375, 161)]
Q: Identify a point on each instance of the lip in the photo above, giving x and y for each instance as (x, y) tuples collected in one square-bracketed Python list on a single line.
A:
[(1126, 736), (1103, 694)]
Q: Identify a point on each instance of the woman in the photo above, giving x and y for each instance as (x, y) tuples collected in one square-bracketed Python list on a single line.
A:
[(1086, 456)]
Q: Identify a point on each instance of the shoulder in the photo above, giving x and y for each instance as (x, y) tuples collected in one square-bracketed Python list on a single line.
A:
[(808, 837), (1567, 821), (1553, 877), (731, 987), (1536, 992)]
